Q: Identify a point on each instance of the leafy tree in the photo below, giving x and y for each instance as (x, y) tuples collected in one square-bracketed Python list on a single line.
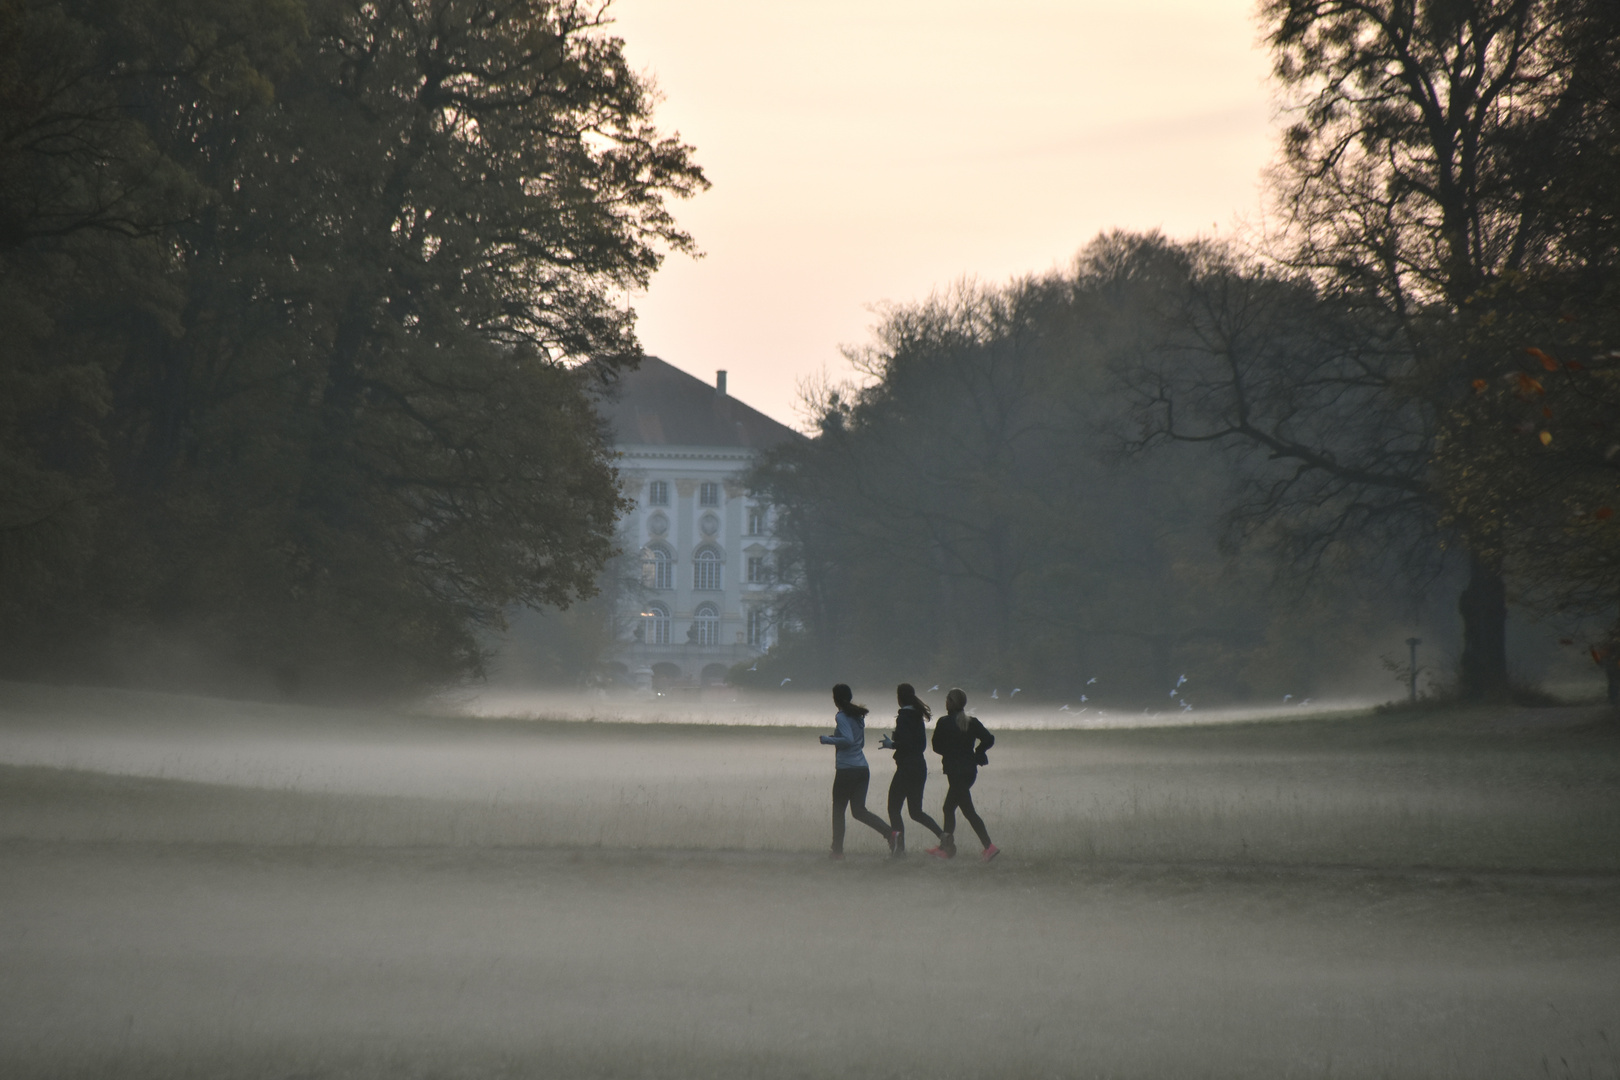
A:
[(1414, 181), (962, 512), (343, 428)]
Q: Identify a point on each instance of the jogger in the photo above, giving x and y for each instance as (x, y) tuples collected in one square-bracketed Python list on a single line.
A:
[(959, 796), (909, 741), (849, 790), (851, 777), (962, 744)]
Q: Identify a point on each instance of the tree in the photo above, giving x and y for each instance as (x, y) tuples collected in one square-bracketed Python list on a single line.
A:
[(963, 512), (1414, 180), (351, 431)]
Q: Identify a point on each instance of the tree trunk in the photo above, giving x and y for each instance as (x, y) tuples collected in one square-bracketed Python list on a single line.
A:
[(1483, 670)]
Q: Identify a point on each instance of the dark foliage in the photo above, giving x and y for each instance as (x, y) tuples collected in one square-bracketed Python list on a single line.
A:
[(293, 295), (966, 512)]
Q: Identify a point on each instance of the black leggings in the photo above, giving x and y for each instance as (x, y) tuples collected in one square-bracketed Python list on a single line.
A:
[(907, 787), (849, 789), (960, 794)]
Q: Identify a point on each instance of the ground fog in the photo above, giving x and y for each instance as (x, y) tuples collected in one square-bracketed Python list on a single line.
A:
[(204, 888)]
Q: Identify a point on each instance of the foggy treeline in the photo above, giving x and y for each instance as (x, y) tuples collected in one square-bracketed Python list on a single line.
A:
[(1404, 380), (976, 511), (293, 297)]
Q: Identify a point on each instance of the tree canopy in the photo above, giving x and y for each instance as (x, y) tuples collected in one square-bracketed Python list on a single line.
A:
[(966, 509), (298, 292), (1441, 155)]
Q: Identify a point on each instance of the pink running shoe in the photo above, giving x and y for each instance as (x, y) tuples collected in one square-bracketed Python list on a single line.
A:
[(894, 840), (940, 852), (991, 852)]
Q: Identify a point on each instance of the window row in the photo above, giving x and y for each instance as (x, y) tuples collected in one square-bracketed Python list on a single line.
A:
[(705, 626), (658, 570), (658, 493)]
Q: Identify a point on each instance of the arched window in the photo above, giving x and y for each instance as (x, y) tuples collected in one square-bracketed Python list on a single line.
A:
[(660, 573), (706, 569), (707, 622), (656, 618)]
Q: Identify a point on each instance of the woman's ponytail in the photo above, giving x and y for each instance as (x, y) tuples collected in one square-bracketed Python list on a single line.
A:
[(844, 698), (907, 694)]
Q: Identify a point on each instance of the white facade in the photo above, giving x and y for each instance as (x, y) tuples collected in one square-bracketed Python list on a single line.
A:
[(706, 549), (698, 535)]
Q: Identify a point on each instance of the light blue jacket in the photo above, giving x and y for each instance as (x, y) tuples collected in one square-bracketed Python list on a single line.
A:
[(850, 739)]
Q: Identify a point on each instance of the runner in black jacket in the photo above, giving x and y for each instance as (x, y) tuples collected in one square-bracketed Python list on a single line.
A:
[(962, 742), (909, 741)]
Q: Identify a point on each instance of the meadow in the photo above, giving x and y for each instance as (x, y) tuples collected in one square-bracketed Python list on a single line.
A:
[(191, 887)]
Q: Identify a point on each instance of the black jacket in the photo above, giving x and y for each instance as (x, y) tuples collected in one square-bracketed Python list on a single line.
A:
[(910, 738), (962, 751)]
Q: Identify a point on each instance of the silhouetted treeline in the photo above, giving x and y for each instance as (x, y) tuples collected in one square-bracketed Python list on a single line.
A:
[(290, 294), (972, 513)]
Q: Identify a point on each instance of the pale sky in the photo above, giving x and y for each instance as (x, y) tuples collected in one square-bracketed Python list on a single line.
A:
[(866, 151)]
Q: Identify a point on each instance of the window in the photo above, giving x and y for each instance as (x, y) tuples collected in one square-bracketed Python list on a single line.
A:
[(706, 624), (706, 569), (658, 493), (709, 493), (757, 572), (756, 521), (756, 626), (655, 624), (660, 568)]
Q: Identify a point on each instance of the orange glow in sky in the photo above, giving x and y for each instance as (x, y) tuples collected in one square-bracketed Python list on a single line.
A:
[(873, 151)]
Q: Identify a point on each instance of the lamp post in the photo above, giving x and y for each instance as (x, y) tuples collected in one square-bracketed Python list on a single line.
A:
[(1412, 643)]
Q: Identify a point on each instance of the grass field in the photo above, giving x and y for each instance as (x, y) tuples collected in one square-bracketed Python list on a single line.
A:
[(216, 889)]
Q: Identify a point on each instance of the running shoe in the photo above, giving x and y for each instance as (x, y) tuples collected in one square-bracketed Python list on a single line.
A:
[(941, 852), (991, 852), (839, 855), (894, 841)]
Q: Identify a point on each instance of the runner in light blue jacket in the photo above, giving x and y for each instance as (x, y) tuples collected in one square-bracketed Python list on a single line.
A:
[(851, 777)]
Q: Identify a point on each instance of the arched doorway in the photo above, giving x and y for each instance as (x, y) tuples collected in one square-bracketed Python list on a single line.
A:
[(665, 675)]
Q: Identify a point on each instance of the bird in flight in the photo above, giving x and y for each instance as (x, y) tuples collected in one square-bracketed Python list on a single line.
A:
[(1091, 680), (1016, 689), (995, 695), (784, 682), (1181, 680), (931, 689), (1286, 698)]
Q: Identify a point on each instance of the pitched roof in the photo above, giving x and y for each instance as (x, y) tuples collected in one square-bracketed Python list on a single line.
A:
[(658, 404)]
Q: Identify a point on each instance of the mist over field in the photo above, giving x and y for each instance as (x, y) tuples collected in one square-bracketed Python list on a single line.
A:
[(193, 886)]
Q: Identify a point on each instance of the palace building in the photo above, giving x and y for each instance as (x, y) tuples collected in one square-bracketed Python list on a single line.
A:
[(705, 597)]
